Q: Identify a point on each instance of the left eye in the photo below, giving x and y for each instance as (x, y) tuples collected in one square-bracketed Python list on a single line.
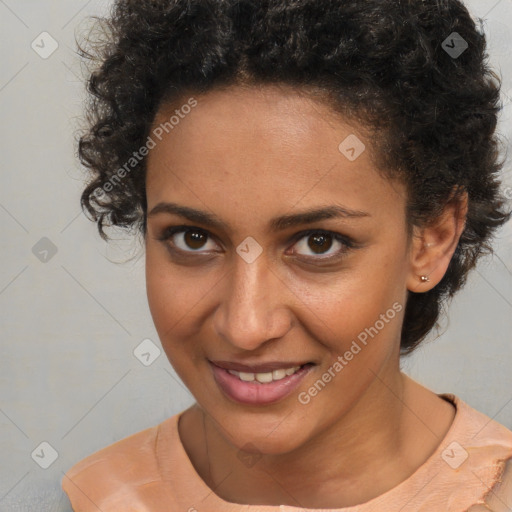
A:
[(319, 242)]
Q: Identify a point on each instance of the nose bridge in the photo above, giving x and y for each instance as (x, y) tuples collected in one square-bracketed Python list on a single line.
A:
[(250, 310)]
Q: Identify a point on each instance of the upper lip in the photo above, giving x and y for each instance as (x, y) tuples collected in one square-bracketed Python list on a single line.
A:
[(257, 368)]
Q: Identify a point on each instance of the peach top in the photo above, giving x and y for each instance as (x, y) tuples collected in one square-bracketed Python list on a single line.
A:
[(470, 471)]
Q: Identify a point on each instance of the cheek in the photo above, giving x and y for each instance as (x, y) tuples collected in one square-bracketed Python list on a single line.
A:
[(171, 297), (168, 308), (360, 332), (348, 305), (177, 299), (159, 289)]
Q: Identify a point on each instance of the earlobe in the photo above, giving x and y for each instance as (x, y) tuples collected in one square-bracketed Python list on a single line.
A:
[(433, 246)]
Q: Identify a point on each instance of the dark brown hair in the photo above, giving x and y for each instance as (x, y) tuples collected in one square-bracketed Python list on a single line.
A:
[(386, 64)]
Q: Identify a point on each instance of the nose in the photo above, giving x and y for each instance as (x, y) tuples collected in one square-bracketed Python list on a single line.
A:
[(252, 307)]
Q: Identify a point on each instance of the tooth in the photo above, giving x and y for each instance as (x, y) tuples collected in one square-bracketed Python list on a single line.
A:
[(292, 370), (278, 374), (264, 377)]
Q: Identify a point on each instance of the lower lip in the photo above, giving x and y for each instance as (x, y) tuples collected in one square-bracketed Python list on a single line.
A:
[(256, 393)]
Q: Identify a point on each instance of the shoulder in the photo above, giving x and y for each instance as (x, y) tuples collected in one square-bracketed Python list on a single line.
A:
[(129, 463), (479, 431), (480, 454)]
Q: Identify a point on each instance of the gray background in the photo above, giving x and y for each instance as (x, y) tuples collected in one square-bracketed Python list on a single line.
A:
[(68, 375)]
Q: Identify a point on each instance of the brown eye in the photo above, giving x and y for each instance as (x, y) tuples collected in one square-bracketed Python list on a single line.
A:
[(194, 239), (187, 239), (314, 245), (319, 243)]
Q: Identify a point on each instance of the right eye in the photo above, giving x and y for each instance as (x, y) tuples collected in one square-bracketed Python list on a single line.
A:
[(186, 239)]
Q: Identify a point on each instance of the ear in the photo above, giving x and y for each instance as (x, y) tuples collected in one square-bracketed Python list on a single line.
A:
[(432, 246)]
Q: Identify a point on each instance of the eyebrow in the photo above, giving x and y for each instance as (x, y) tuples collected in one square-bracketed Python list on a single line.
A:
[(276, 224)]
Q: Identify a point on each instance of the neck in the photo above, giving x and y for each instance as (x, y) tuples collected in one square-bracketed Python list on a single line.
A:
[(369, 460)]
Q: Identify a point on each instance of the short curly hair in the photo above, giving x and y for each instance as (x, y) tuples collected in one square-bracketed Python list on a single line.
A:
[(432, 113)]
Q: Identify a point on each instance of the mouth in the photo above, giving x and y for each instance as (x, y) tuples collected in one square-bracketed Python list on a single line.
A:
[(258, 384)]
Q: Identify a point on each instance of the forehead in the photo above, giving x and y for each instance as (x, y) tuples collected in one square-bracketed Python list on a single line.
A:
[(279, 117), (262, 148)]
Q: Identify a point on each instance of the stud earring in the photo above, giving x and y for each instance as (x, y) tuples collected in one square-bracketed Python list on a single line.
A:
[(424, 279)]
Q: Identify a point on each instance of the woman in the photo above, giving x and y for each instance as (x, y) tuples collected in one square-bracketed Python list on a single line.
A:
[(313, 179)]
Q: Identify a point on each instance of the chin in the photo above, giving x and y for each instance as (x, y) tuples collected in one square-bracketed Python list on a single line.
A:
[(258, 433)]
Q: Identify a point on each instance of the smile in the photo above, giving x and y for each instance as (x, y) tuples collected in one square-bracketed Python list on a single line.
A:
[(266, 377), (259, 388)]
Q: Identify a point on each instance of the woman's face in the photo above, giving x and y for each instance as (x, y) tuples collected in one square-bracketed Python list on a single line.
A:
[(259, 282)]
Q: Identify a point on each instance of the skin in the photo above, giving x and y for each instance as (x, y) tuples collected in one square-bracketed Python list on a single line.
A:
[(248, 155)]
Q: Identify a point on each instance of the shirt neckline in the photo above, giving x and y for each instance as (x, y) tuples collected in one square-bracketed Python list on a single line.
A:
[(430, 467)]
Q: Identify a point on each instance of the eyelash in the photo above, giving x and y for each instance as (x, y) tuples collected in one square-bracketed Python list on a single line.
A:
[(346, 242)]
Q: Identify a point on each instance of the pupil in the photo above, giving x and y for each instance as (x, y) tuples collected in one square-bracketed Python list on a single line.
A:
[(318, 241), (194, 239)]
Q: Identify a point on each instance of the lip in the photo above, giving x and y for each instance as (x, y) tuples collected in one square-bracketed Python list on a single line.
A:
[(256, 393)]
